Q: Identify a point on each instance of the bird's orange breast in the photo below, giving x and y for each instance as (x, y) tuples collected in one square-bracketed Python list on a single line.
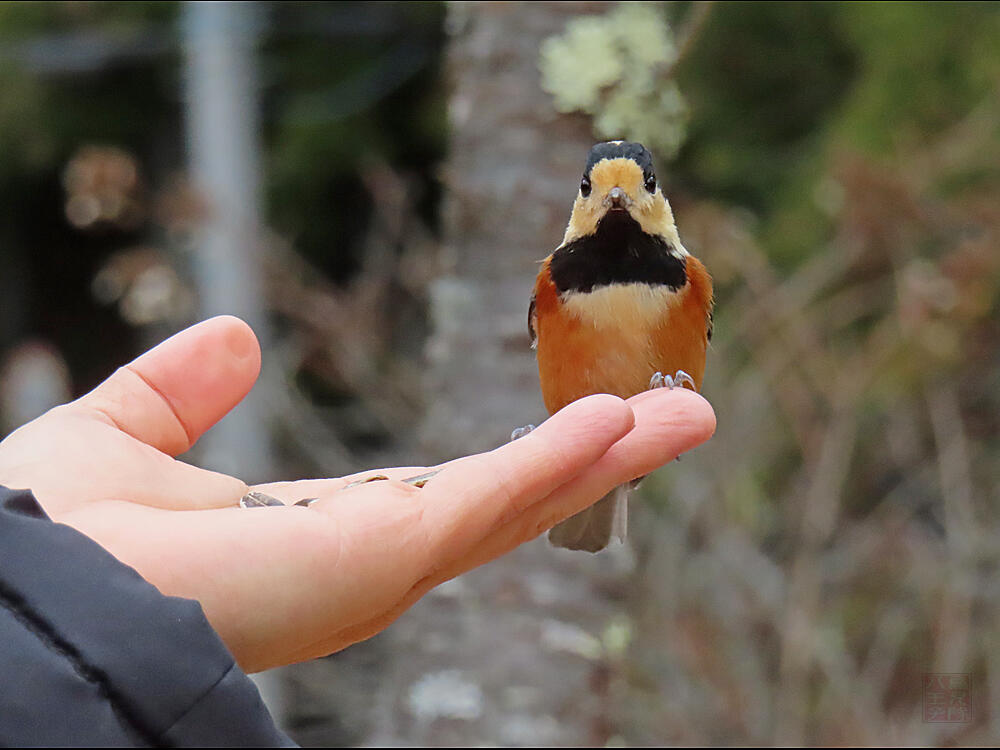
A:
[(613, 338)]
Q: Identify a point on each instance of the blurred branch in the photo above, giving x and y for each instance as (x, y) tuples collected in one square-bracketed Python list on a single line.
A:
[(689, 33), (296, 420), (92, 49), (345, 334), (801, 627), (360, 91), (780, 338), (88, 50), (955, 612)]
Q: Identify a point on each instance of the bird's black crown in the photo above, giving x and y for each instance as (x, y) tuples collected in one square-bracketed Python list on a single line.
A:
[(620, 150)]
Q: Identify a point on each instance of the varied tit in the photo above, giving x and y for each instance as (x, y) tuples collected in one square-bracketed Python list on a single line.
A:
[(619, 307)]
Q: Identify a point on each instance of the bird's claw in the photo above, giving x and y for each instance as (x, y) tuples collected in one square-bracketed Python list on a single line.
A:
[(680, 378)]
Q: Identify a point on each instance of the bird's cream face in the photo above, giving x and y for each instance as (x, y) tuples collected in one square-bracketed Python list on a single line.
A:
[(620, 184)]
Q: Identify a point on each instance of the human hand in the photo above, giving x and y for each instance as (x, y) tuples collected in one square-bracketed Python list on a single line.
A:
[(285, 584)]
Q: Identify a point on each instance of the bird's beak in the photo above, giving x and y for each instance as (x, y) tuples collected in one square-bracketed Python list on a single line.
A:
[(618, 198)]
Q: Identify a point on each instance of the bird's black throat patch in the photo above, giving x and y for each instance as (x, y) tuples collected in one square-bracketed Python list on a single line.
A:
[(619, 252)]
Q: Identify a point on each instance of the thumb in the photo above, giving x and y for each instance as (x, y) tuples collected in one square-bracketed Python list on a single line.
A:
[(172, 394)]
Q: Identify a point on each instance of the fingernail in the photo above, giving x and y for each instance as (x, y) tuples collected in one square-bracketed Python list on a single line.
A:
[(241, 341)]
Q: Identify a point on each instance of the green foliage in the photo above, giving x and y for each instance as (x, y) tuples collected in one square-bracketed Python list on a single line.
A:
[(763, 81), (924, 65), (779, 91), (617, 68), (343, 85), (26, 20), (341, 107), (841, 180)]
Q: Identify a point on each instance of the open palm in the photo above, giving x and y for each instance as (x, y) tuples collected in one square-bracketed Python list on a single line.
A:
[(284, 584)]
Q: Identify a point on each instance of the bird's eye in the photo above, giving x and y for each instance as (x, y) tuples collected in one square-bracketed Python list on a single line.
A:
[(651, 183), (585, 186)]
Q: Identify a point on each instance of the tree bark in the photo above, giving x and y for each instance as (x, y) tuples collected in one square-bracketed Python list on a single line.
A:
[(510, 653), (510, 179), (513, 653)]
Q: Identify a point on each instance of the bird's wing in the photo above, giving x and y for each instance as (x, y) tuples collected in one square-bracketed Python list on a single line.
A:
[(531, 322)]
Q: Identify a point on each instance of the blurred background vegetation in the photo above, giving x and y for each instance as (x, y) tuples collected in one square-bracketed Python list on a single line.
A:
[(835, 165)]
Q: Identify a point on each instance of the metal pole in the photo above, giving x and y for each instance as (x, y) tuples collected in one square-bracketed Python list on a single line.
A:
[(224, 156)]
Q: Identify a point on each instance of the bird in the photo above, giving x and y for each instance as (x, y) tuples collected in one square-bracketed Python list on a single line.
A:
[(619, 307)]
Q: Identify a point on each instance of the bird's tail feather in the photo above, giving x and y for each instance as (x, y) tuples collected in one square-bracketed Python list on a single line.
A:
[(592, 529)]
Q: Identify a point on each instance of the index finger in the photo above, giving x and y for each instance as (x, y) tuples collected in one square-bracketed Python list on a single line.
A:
[(666, 424), (474, 495)]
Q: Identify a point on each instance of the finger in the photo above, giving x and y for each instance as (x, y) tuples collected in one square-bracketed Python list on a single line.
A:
[(171, 394), (465, 501), (347, 567), (667, 424), (474, 495), (136, 473), (464, 506), (433, 526)]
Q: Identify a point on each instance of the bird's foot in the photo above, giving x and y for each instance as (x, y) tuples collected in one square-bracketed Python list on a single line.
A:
[(680, 378), (520, 432)]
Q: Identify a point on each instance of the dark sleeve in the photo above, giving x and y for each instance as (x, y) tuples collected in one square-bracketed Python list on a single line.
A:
[(92, 655)]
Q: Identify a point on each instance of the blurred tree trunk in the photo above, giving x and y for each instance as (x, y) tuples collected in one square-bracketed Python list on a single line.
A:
[(510, 180), (514, 653), (511, 653)]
